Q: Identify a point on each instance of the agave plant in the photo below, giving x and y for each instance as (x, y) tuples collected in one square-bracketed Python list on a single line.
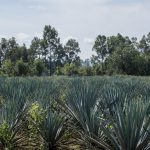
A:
[(1, 101), (82, 105), (52, 130), (128, 120), (12, 117)]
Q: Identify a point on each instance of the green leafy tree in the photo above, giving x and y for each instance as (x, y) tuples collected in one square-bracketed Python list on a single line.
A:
[(144, 44), (70, 69), (3, 50), (135, 43), (21, 68), (100, 47), (126, 61), (115, 42), (12, 52), (35, 50), (25, 53), (72, 49), (98, 70), (59, 71), (85, 71), (50, 44), (59, 56), (8, 67), (39, 67)]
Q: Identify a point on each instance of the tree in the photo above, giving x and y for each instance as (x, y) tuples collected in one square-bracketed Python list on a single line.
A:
[(100, 47), (135, 43), (59, 56), (13, 51), (50, 43), (8, 67), (117, 42), (144, 44), (72, 49), (3, 50), (39, 67), (126, 61), (24, 53), (35, 49), (70, 69), (59, 71), (85, 71), (1, 56), (97, 69), (21, 68)]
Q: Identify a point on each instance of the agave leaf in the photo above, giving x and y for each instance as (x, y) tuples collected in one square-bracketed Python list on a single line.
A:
[(52, 130), (128, 125)]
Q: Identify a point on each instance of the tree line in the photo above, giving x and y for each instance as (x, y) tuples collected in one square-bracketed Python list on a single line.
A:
[(47, 56)]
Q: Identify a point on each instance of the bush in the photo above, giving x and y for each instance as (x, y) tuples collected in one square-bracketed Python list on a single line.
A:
[(8, 68), (70, 69), (21, 68), (39, 67)]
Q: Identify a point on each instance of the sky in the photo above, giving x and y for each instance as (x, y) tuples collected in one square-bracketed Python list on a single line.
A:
[(82, 20)]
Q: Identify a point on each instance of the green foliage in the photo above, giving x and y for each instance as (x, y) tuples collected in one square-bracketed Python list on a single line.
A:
[(51, 44), (70, 69), (36, 112), (21, 68), (98, 70), (13, 115), (72, 49), (130, 124), (59, 71), (52, 131), (2, 101), (5, 135), (8, 67), (85, 71), (46, 56), (144, 44), (126, 61), (100, 47), (35, 49), (39, 67), (72, 112)]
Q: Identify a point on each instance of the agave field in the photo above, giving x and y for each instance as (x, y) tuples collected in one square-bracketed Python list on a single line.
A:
[(65, 113)]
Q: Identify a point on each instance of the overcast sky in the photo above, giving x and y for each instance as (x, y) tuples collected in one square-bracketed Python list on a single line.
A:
[(79, 19)]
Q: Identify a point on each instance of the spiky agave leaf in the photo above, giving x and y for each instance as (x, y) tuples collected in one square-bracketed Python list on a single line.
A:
[(13, 115), (52, 130), (81, 98), (82, 105), (130, 125)]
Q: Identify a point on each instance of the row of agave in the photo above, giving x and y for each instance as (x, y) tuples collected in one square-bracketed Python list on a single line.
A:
[(111, 113)]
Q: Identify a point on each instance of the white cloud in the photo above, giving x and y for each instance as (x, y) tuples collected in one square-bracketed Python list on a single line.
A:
[(81, 18), (67, 38), (3, 36), (22, 36), (37, 7), (39, 35), (39, 0), (89, 41)]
